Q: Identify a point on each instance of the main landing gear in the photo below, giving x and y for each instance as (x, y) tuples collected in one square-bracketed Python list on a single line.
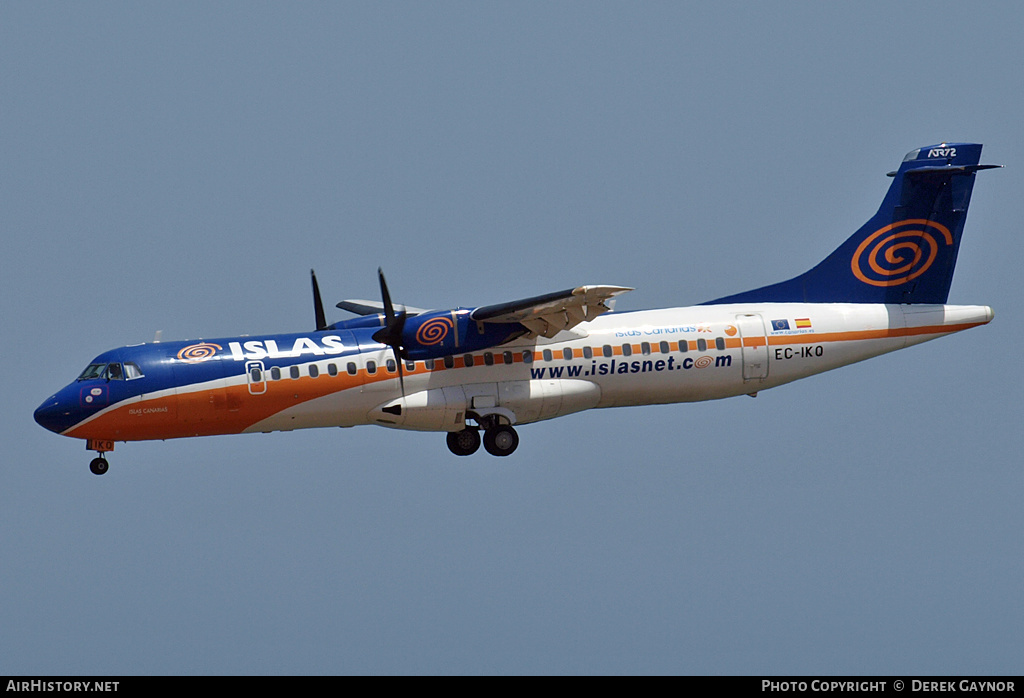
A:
[(465, 442), (499, 440)]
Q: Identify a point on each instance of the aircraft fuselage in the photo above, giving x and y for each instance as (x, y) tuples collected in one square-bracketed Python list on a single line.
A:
[(343, 378)]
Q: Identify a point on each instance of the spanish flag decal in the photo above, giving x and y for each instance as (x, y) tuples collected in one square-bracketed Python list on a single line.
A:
[(802, 323)]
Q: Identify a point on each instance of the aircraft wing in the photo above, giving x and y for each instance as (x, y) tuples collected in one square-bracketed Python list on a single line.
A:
[(361, 307), (549, 314)]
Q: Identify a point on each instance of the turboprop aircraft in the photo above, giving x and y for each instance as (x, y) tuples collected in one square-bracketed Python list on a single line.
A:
[(492, 368)]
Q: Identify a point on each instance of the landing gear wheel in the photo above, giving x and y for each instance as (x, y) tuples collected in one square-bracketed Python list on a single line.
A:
[(98, 466), (465, 442), (501, 440)]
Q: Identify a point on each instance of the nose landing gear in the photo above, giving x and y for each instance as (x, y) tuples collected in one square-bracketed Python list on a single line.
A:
[(99, 465)]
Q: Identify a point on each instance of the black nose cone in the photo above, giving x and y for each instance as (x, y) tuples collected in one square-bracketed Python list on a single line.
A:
[(51, 415)]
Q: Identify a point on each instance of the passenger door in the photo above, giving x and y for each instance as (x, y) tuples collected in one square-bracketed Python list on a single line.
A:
[(755, 346)]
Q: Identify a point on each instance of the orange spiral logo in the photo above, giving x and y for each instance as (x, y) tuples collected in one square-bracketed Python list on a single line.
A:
[(899, 252), (703, 361), (433, 331), (194, 353)]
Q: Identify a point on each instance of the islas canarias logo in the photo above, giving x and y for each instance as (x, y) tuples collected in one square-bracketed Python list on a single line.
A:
[(195, 353), (434, 331), (899, 252)]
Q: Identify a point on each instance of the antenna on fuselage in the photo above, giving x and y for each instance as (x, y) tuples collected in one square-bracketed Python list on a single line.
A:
[(157, 336)]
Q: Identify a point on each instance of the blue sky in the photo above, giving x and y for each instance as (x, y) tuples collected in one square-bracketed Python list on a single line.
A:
[(181, 167)]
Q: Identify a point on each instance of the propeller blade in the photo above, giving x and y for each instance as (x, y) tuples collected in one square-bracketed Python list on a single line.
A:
[(389, 309), (394, 324), (318, 304)]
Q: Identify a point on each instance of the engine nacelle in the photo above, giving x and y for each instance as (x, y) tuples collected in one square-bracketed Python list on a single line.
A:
[(441, 333)]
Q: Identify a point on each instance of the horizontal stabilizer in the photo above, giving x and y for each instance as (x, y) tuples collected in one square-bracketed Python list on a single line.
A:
[(945, 169)]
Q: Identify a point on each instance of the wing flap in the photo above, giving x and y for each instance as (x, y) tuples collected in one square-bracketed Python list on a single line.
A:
[(547, 315)]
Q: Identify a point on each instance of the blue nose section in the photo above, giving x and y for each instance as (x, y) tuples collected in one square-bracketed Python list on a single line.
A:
[(53, 415)]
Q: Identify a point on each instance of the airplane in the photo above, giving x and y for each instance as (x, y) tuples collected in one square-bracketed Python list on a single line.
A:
[(493, 368)]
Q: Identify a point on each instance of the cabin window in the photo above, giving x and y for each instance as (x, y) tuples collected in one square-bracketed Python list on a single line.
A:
[(256, 375), (294, 372), (607, 350), (410, 365), (275, 373), (527, 357), (391, 365), (313, 371), (468, 360), (663, 345), (645, 348), (449, 362), (684, 346), (429, 363), (507, 356), (351, 368), (567, 354), (720, 343), (547, 355), (371, 367), (627, 349), (488, 358), (702, 344), (588, 353), (332, 369)]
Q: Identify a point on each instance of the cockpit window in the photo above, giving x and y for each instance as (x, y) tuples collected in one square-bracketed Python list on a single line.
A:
[(113, 372), (94, 371)]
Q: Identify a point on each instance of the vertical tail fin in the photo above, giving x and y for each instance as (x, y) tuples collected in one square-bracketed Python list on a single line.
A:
[(907, 251)]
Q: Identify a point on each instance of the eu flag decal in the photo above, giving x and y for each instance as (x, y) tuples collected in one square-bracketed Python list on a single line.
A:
[(778, 325)]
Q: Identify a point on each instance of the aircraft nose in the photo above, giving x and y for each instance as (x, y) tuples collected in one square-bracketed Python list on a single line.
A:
[(51, 415)]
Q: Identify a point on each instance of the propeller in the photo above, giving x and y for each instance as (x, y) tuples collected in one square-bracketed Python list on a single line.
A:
[(318, 304), (391, 333)]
